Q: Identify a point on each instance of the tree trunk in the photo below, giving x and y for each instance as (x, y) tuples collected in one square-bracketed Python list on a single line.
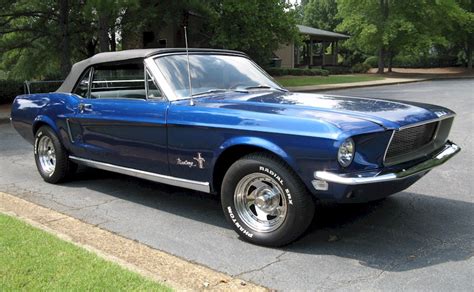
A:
[(91, 45), (64, 28), (390, 60), (113, 45), (104, 39), (381, 63), (469, 56), (384, 12)]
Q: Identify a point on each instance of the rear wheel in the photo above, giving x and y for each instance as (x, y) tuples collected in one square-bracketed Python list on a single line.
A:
[(51, 157), (265, 201)]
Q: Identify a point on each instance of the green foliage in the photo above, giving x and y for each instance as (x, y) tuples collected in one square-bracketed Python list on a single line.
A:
[(388, 28), (321, 14), (9, 89), (296, 72), (255, 27), (417, 61), (40, 39)]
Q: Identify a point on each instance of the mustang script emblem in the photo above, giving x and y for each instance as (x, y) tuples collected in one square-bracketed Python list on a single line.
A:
[(185, 163)]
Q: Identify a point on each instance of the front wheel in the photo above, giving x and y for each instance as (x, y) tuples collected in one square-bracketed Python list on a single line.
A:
[(265, 201)]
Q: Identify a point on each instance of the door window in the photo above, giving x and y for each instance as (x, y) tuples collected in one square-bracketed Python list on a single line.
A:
[(119, 81)]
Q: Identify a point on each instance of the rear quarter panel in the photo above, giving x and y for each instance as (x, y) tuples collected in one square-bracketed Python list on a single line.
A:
[(31, 111)]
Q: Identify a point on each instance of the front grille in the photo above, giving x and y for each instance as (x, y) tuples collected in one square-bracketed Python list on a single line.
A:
[(411, 139)]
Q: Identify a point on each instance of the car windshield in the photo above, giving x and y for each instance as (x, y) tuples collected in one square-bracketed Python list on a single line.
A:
[(213, 73)]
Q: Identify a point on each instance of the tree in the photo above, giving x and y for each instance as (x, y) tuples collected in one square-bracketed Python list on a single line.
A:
[(35, 34), (321, 14), (389, 27), (255, 27), (106, 16), (461, 31)]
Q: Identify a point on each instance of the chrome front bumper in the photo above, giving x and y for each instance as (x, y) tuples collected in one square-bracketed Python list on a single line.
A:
[(323, 177)]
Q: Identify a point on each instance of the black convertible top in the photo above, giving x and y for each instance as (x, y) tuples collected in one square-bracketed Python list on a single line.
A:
[(79, 67)]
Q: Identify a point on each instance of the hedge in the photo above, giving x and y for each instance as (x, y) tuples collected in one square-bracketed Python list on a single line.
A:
[(329, 70), (415, 61), (357, 68), (297, 72), (9, 89)]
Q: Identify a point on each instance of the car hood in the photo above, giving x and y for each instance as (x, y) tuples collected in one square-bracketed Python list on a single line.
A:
[(386, 113)]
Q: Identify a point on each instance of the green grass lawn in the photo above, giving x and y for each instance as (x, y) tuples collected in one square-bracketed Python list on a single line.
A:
[(293, 81), (32, 260)]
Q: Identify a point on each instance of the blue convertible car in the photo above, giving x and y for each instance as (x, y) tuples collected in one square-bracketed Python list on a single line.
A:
[(213, 121)]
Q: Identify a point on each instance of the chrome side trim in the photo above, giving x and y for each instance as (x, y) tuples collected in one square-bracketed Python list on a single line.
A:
[(69, 131), (438, 125), (174, 181), (388, 145), (450, 149)]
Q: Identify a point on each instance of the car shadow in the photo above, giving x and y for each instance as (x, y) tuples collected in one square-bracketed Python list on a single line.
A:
[(404, 232)]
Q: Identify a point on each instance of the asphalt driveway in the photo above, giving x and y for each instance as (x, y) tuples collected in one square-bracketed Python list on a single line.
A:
[(419, 239)]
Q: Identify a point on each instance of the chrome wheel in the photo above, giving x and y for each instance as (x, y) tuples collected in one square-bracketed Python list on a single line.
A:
[(260, 202), (46, 154)]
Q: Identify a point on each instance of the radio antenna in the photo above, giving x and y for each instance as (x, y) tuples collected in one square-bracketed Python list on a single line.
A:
[(191, 101)]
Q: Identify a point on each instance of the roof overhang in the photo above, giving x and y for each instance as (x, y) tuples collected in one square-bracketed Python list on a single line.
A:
[(321, 34)]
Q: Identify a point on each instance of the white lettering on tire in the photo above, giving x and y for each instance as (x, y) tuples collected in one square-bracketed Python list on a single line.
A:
[(279, 179), (272, 173), (237, 224)]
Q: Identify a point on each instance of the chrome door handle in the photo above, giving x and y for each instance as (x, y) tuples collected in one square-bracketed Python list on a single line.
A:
[(85, 107)]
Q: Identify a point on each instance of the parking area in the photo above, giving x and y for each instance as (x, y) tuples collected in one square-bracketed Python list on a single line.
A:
[(419, 239)]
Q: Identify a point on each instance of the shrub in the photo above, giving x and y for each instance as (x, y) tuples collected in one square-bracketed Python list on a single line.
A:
[(9, 89), (336, 70), (372, 61), (360, 68), (297, 72)]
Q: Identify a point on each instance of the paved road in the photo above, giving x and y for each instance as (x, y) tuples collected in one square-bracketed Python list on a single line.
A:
[(420, 239)]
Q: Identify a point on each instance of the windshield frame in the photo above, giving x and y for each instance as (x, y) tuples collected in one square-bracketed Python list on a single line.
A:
[(168, 89)]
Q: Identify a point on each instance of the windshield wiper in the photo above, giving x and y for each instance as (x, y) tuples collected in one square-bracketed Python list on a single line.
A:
[(210, 91), (218, 90)]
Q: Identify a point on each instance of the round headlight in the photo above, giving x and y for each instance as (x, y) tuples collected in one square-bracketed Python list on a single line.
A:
[(346, 152)]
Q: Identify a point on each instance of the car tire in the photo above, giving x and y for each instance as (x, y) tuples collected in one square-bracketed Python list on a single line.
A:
[(52, 159), (265, 201)]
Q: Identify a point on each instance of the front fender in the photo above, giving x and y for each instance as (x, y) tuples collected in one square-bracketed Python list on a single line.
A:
[(259, 143)]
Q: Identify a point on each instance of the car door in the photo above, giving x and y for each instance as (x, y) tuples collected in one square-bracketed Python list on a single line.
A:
[(121, 118)]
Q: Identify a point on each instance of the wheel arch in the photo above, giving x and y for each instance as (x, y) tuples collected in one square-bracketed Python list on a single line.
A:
[(236, 148), (43, 121)]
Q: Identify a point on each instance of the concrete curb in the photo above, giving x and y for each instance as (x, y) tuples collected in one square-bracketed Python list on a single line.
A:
[(318, 88), (132, 255)]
